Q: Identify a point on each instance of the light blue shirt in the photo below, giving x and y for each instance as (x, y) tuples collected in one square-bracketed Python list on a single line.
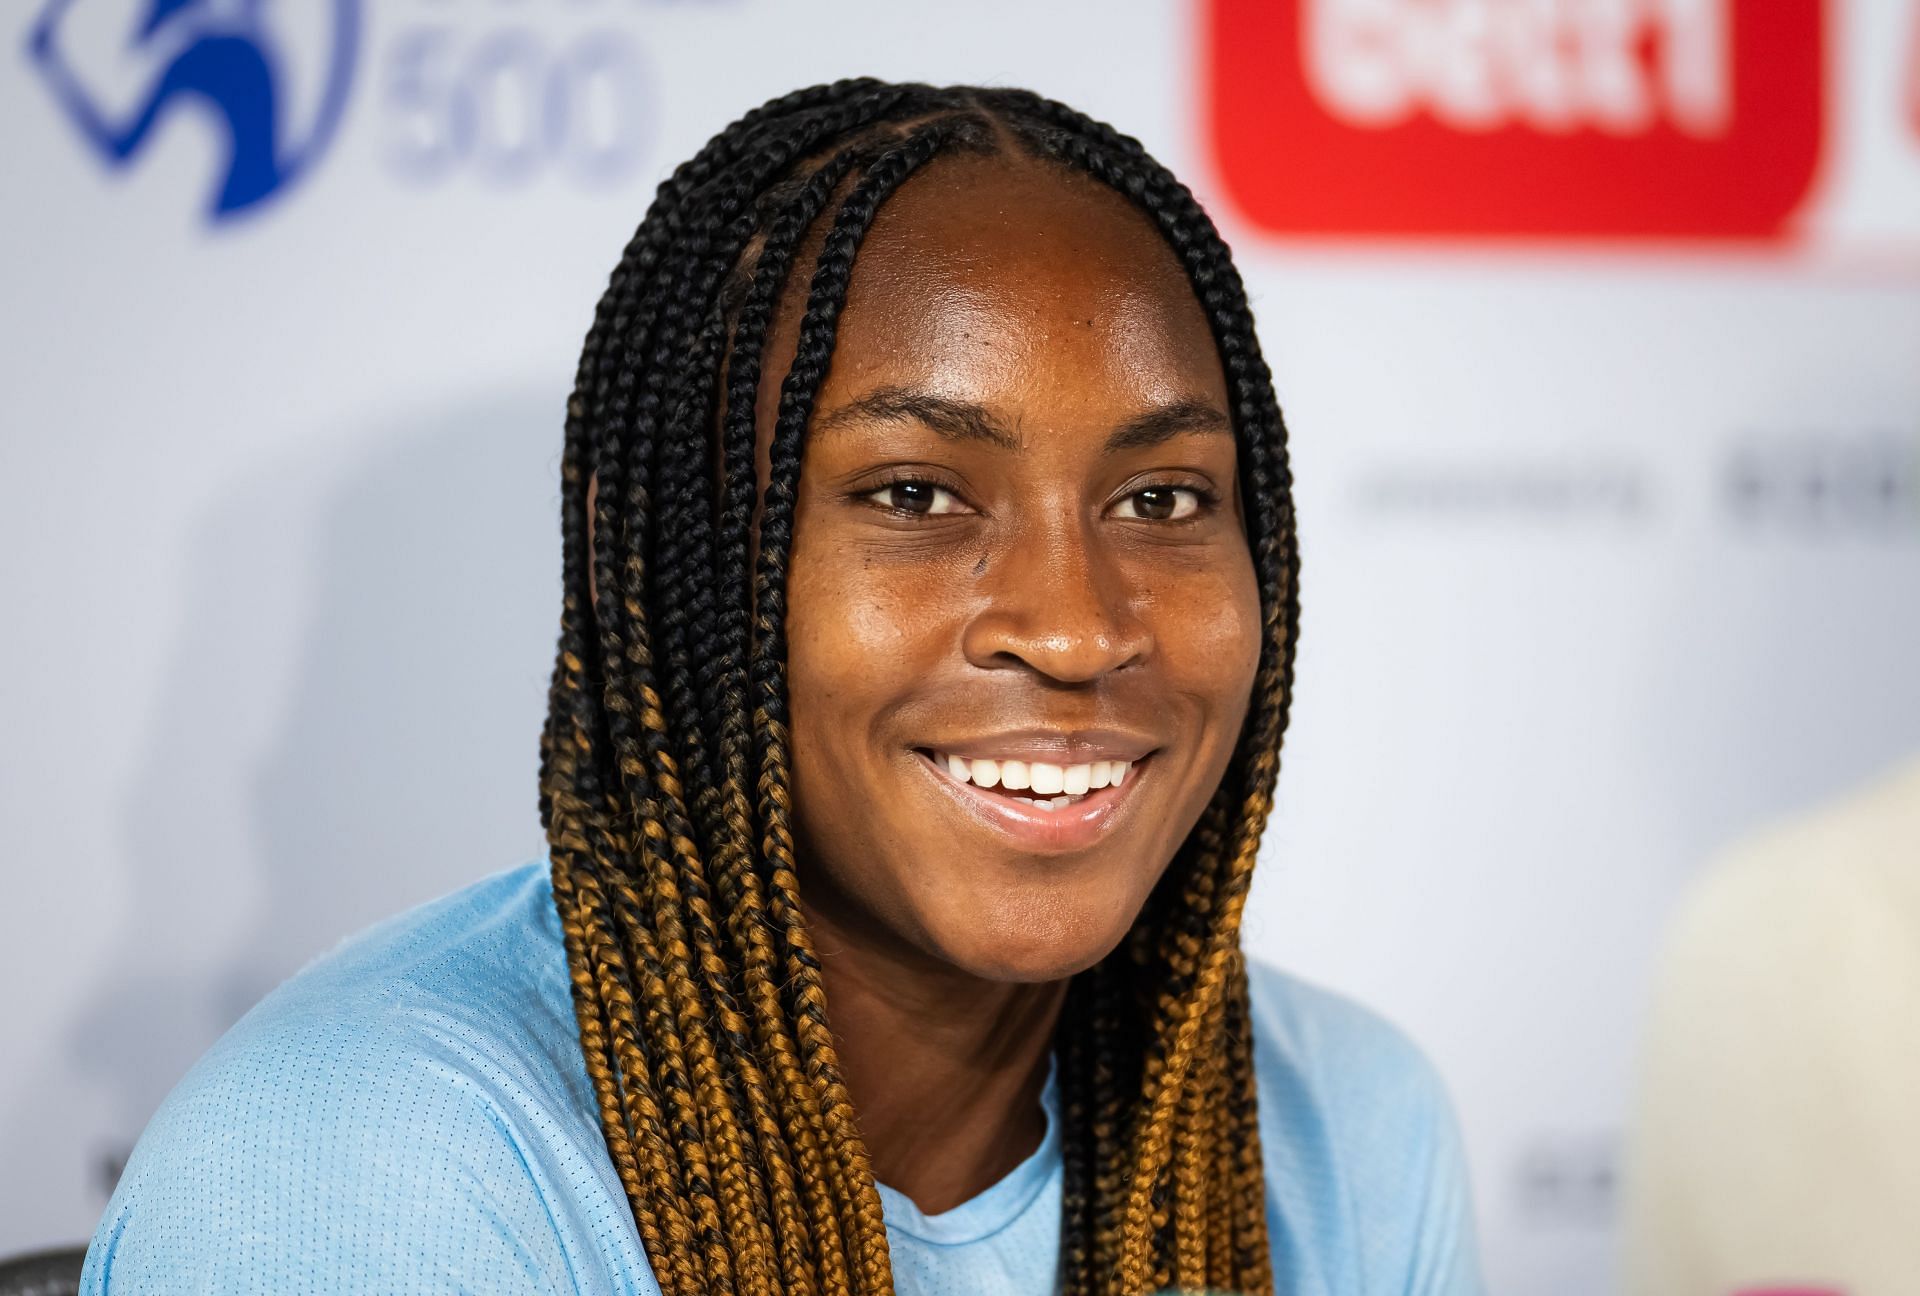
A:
[(411, 1114)]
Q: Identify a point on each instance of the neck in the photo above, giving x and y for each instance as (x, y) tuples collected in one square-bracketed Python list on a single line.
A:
[(945, 1069)]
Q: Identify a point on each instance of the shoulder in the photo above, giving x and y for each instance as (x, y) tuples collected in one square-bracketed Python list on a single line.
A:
[(1366, 1181), (1322, 1041), (411, 1103), (457, 1001)]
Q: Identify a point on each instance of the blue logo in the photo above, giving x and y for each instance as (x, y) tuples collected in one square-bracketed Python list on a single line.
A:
[(274, 77)]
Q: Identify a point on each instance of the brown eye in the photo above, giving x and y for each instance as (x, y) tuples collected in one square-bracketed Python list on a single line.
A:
[(1161, 504), (918, 497)]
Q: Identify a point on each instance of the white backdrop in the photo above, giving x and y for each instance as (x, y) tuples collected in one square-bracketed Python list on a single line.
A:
[(1612, 545)]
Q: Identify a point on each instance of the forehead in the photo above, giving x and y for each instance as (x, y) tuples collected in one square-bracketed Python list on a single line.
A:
[(1012, 281)]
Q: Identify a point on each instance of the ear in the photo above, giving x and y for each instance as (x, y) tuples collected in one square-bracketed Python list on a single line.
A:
[(593, 498)]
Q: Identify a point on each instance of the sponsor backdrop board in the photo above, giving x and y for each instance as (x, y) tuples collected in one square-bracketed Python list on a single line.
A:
[(1597, 323)]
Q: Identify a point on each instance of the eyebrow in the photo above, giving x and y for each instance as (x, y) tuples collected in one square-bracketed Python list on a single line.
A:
[(1166, 422), (967, 421), (958, 420)]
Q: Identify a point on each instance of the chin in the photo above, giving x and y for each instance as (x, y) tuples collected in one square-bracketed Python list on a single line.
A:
[(1034, 940)]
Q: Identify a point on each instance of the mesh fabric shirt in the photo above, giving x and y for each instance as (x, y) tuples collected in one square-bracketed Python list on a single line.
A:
[(411, 1114)]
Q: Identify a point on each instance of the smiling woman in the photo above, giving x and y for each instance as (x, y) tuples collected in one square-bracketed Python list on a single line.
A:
[(927, 642)]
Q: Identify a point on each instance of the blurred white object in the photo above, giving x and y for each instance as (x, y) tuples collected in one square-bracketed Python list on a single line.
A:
[(1777, 1144)]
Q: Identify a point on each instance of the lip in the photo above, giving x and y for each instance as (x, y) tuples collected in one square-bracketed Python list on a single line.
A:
[(1058, 746), (1041, 832)]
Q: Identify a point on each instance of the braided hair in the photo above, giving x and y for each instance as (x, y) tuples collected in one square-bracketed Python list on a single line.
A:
[(665, 775)]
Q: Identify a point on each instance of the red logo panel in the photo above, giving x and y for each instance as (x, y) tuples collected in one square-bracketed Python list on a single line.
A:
[(1668, 119)]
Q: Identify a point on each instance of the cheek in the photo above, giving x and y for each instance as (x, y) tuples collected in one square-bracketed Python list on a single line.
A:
[(862, 637), (824, 640), (829, 633), (850, 634), (1208, 630)]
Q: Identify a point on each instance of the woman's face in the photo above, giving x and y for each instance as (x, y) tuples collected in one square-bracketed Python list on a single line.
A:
[(1018, 557)]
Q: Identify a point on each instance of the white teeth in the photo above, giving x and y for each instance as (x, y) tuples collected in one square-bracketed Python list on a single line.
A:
[(1051, 784), (1062, 802)]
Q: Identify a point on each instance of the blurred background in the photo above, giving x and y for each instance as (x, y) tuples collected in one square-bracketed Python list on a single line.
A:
[(1596, 323)]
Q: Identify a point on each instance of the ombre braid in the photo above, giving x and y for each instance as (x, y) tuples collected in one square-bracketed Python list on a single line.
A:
[(665, 779)]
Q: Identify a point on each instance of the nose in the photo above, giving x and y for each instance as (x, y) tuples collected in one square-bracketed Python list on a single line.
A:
[(1057, 603)]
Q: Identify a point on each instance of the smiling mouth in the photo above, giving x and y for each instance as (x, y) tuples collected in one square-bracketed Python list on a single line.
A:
[(1042, 808), (1041, 784)]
